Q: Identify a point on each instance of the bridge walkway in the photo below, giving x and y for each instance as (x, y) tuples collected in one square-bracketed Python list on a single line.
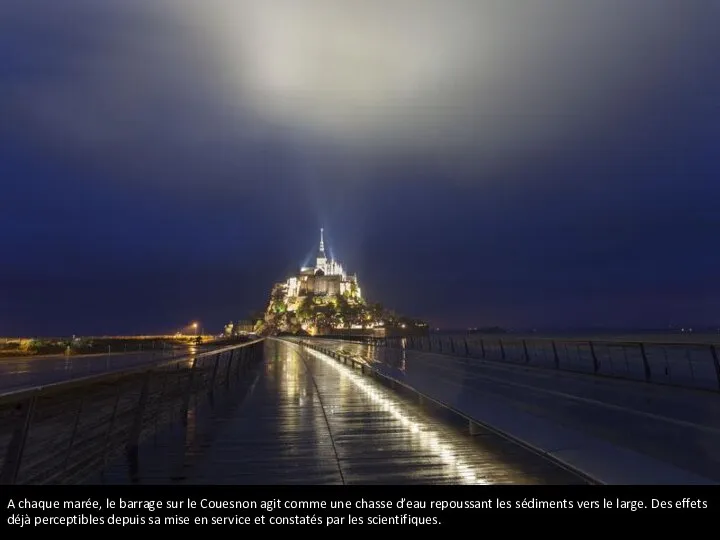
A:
[(302, 418), (619, 431)]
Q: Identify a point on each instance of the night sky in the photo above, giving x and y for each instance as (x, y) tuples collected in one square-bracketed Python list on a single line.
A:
[(484, 162)]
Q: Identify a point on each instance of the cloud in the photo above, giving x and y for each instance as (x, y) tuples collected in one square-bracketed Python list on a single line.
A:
[(485, 82), (449, 73)]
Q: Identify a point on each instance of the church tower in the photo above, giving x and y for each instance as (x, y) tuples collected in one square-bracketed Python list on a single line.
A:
[(321, 265)]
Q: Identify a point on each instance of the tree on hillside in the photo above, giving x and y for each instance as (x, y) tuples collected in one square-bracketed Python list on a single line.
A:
[(278, 301), (306, 309), (343, 311), (377, 311), (259, 326), (323, 315)]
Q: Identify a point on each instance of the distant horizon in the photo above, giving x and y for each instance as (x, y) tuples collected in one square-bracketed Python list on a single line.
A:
[(214, 326), (600, 329), (693, 329)]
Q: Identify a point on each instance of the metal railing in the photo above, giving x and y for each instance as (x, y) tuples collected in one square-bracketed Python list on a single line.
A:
[(683, 364), (474, 426), (165, 347), (61, 433)]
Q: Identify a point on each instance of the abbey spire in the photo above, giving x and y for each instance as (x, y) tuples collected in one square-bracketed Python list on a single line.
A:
[(321, 263), (321, 298)]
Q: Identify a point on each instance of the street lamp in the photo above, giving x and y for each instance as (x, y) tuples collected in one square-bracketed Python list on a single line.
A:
[(195, 327)]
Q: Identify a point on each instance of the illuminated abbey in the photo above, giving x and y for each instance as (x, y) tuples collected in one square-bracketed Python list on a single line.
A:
[(327, 278), (324, 299)]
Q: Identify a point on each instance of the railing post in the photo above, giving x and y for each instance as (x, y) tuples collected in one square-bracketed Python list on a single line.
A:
[(74, 432), (525, 349), (716, 362), (482, 347), (214, 373), (111, 424), (452, 345), (502, 349), (136, 429), (16, 448), (242, 362), (232, 366), (646, 366), (229, 367), (188, 391), (596, 364), (556, 358), (467, 350), (439, 344)]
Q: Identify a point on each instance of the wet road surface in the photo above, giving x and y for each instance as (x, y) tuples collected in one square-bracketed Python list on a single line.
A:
[(675, 425), (302, 418)]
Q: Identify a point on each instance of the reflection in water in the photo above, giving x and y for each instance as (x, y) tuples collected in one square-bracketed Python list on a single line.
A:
[(191, 429), (423, 432), (345, 390), (192, 351), (22, 366), (287, 377), (302, 391)]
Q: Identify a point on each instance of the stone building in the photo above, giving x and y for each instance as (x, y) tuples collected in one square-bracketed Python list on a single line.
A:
[(326, 278)]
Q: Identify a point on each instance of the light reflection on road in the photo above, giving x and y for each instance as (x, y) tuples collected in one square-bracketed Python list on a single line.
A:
[(425, 436)]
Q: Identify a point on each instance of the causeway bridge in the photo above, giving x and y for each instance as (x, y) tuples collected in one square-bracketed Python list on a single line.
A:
[(432, 410)]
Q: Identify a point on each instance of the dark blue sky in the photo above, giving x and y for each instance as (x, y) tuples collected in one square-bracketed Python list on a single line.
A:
[(537, 165)]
